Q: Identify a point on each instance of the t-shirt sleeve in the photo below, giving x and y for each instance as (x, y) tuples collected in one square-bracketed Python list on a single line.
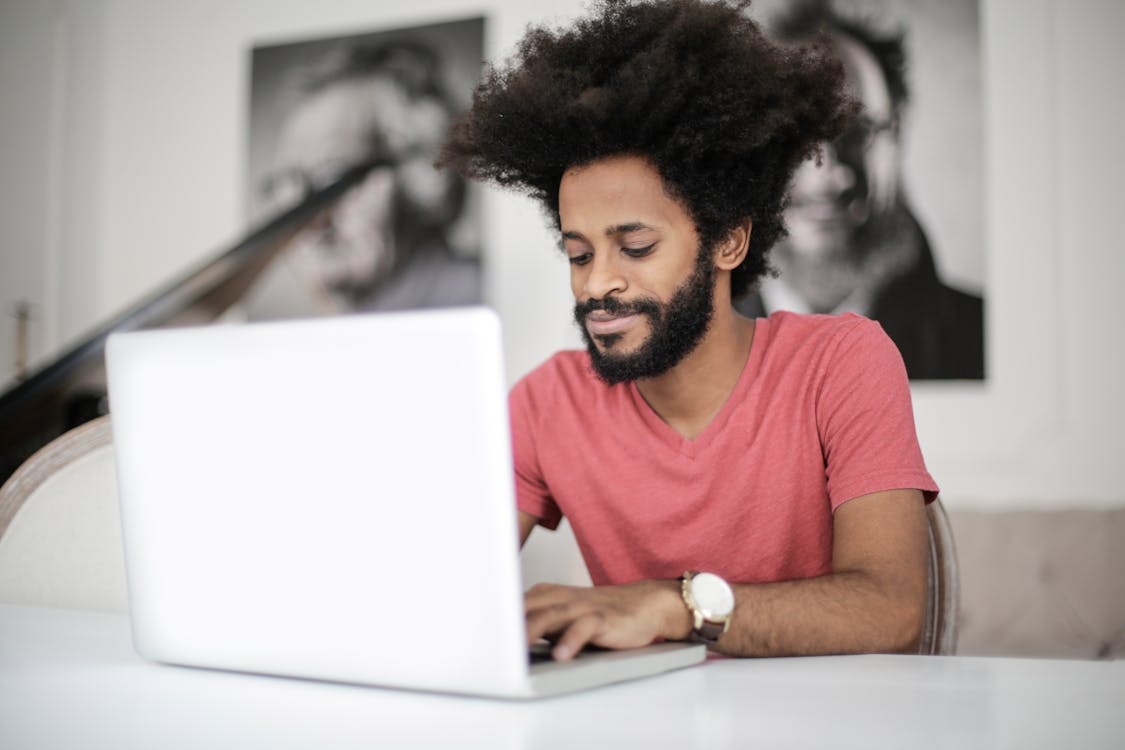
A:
[(866, 419), (532, 494)]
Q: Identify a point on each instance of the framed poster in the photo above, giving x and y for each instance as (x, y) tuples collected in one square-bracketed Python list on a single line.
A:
[(408, 235), (888, 221)]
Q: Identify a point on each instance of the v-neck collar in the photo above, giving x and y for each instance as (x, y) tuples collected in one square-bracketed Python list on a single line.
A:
[(667, 435)]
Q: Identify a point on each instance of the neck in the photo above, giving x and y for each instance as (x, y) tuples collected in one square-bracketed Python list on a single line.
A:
[(822, 282), (688, 396), (887, 248)]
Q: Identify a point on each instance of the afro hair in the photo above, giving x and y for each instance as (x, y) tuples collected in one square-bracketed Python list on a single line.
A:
[(724, 113)]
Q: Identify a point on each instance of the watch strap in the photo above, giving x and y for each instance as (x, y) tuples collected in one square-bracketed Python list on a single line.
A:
[(709, 632)]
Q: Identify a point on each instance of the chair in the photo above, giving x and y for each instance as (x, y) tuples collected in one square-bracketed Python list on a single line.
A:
[(943, 595), (60, 527)]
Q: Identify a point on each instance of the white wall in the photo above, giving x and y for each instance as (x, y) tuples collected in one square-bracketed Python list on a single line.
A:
[(137, 172), (25, 77)]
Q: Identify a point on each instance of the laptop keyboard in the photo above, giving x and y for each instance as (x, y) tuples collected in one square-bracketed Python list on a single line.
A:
[(537, 653)]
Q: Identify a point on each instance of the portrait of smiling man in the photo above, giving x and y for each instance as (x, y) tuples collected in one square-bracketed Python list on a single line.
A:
[(855, 240), (755, 484)]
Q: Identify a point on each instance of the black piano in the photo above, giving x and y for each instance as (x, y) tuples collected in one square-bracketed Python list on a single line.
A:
[(70, 390)]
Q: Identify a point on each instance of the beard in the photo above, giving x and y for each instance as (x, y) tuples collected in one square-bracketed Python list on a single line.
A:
[(676, 327)]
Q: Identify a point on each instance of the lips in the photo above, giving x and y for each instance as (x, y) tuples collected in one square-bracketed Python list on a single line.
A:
[(811, 209), (602, 323)]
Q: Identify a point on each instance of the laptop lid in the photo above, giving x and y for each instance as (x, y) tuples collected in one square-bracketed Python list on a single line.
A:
[(329, 498), (333, 499)]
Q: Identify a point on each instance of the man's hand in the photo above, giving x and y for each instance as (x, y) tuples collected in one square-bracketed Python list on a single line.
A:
[(626, 616)]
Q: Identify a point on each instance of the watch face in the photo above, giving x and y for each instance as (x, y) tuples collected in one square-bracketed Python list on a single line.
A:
[(712, 595)]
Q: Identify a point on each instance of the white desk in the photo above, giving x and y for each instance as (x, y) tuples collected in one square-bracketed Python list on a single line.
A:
[(71, 680)]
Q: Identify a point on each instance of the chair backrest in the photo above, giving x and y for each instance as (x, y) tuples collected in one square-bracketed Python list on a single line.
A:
[(943, 596), (60, 527)]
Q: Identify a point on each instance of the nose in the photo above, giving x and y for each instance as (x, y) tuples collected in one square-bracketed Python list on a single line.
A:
[(600, 277), (833, 175)]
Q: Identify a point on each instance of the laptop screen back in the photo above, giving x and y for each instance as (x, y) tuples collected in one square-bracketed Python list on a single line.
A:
[(328, 499)]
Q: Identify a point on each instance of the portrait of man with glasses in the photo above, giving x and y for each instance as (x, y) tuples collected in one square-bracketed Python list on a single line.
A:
[(855, 242)]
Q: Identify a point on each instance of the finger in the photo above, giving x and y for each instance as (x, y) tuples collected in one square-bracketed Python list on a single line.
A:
[(575, 638), (546, 621), (546, 594), (552, 619)]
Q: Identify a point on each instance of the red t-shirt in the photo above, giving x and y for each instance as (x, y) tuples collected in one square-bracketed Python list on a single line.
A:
[(820, 415)]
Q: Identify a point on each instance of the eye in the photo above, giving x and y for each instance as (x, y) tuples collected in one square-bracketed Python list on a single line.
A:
[(580, 260), (638, 252)]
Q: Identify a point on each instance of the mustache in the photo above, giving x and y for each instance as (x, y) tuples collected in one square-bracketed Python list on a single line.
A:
[(615, 306)]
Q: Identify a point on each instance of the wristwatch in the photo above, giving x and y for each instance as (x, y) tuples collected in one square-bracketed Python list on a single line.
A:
[(711, 603)]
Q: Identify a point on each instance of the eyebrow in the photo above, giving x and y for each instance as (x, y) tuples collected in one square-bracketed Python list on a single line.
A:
[(632, 226)]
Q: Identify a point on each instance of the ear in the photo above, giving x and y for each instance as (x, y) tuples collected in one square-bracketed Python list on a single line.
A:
[(732, 249)]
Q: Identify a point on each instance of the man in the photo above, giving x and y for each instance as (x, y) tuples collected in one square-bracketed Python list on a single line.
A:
[(774, 457), (854, 244), (389, 243)]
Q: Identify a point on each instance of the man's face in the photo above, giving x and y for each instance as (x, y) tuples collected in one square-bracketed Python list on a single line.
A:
[(833, 203), (643, 287), (349, 250)]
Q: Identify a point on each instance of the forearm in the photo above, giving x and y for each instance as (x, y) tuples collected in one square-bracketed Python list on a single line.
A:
[(840, 613), (873, 601)]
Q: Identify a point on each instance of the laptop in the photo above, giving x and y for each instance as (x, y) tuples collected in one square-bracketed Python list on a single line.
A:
[(333, 499)]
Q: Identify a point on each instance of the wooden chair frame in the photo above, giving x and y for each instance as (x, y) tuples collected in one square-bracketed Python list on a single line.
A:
[(939, 627), (48, 460)]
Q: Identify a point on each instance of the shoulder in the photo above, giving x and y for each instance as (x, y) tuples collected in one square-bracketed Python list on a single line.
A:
[(964, 306), (794, 333), (818, 350), (563, 375), (561, 367)]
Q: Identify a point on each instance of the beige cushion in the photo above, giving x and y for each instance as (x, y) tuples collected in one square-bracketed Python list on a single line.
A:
[(1042, 583)]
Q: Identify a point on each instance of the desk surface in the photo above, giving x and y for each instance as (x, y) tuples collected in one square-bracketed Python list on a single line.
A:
[(71, 679)]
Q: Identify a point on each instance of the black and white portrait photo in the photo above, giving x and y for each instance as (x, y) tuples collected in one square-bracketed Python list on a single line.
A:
[(887, 221), (408, 235)]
